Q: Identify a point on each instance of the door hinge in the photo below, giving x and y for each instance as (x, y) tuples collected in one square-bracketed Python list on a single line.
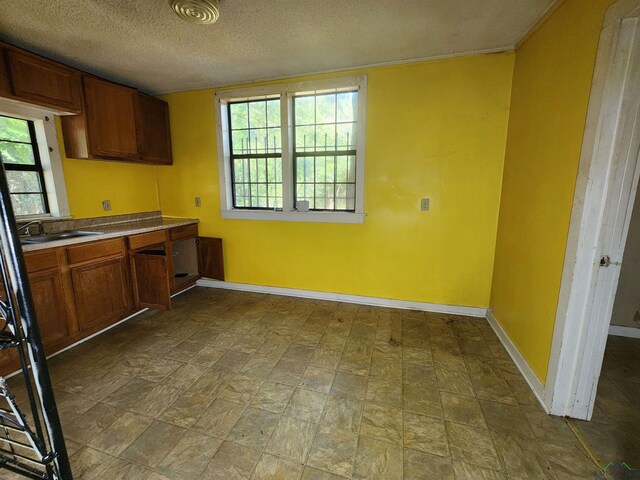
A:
[(605, 261)]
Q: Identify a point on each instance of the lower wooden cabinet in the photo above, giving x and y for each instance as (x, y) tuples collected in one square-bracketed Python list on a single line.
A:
[(152, 288), (47, 291), (101, 291)]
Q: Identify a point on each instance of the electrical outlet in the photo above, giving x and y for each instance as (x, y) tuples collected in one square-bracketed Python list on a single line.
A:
[(424, 204), (198, 202), (106, 205)]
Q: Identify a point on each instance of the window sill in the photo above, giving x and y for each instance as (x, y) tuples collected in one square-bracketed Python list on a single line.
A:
[(294, 216)]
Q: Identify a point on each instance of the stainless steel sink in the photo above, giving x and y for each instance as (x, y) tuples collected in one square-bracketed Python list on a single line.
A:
[(55, 236)]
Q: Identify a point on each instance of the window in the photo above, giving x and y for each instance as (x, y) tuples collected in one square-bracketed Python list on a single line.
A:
[(293, 151), (19, 151), (31, 157)]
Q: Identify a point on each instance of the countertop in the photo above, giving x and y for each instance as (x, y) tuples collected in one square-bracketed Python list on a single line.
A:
[(114, 231)]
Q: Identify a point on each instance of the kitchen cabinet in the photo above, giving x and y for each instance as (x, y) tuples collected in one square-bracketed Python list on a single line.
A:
[(101, 286), (56, 321), (107, 127), (35, 79), (5, 86), (150, 270), (154, 137)]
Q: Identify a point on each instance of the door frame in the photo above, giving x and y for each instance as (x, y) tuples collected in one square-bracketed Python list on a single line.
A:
[(580, 335)]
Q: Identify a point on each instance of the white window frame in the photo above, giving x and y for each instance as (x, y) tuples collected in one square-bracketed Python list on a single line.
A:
[(44, 124), (286, 91)]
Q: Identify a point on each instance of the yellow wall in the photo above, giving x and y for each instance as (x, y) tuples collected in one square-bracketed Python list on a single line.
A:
[(434, 129), (551, 84), (131, 188)]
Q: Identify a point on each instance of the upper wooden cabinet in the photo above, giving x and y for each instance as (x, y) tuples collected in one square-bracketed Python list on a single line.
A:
[(107, 127), (154, 139), (37, 80), (5, 86)]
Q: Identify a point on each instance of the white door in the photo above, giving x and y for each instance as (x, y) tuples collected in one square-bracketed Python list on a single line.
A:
[(613, 180)]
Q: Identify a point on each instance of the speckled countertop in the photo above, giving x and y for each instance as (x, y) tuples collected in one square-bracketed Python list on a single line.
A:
[(108, 227)]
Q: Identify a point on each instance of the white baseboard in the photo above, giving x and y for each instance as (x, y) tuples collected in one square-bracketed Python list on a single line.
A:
[(527, 372), (619, 331), (340, 297)]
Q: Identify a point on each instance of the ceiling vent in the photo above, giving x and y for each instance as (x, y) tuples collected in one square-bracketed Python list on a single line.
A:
[(196, 11)]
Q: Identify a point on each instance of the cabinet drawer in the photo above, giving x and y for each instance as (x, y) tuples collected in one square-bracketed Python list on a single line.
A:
[(187, 231), (94, 250), (147, 239), (39, 261)]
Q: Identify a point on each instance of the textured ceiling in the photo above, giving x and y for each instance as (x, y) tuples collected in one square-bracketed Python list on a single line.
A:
[(144, 44)]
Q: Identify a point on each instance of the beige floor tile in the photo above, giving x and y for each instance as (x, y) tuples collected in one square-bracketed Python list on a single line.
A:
[(120, 434), (377, 460), (291, 439), (254, 428), (422, 399), (185, 376), (232, 462), (306, 405), (349, 385), (219, 418), (159, 369), (311, 473), (334, 452), (384, 391), (382, 423), (287, 372), (150, 448), (325, 358), (157, 400), (233, 360), (120, 469), (341, 414), (423, 466), (506, 418), (318, 379), (472, 445), (420, 356), (461, 409), (466, 471), (522, 457), (272, 397), (569, 461), (130, 394), (270, 467), (426, 434), (208, 355), (259, 366), (186, 409), (241, 389), (88, 463), (189, 457), (452, 381), (89, 424)]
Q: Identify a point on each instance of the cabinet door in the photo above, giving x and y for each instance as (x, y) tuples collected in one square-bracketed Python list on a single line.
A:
[(48, 298), (111, 125), (154, 135), (151, 280), (211, 259), (5, 86), (101, 291), (38, 80)]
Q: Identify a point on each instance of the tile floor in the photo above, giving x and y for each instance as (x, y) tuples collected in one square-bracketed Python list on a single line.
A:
[(614, 430), (240, 385)]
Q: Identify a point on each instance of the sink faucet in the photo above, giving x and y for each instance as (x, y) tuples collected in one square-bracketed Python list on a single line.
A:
[(26, 227)]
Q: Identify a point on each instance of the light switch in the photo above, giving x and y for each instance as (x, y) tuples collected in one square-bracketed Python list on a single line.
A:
[(198, 202), (424, 204), (106, 205)]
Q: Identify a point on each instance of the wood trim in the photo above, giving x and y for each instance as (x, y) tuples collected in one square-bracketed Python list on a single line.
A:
[(91, 251), (186, 231), (149, 239)]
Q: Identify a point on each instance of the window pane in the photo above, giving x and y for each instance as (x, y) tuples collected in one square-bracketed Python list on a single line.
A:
[(28, 204), (20, 181), (305, 111), (257, 114), (273, 113), (14, 129), (257, 182), (326, 123), (239, 115), (19, 153), (347, 106)]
